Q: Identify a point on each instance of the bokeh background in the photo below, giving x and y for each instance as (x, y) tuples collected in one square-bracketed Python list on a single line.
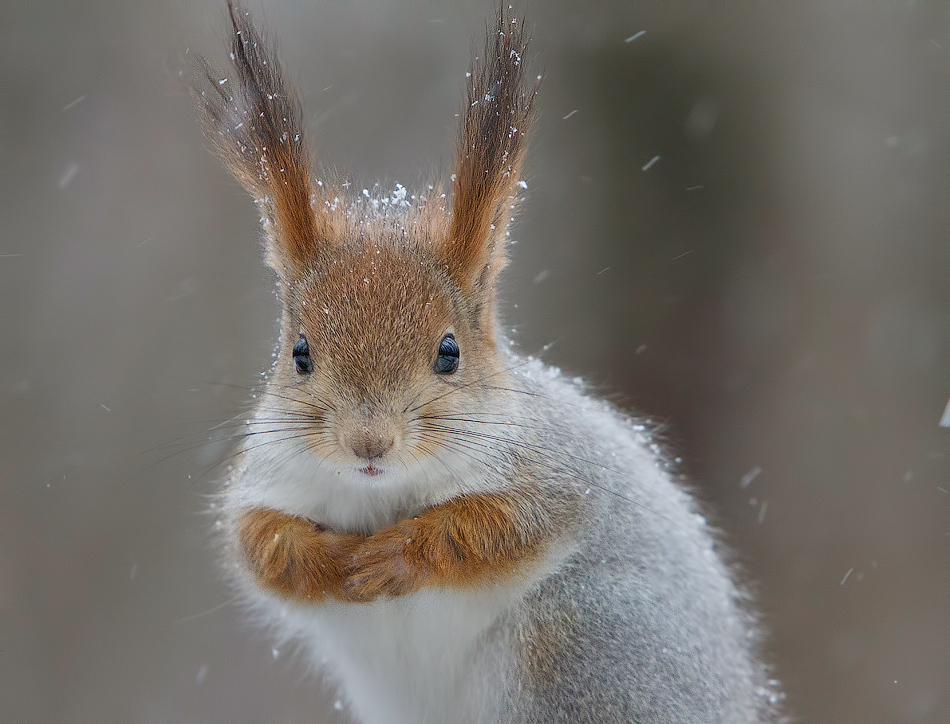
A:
[(773, 291)]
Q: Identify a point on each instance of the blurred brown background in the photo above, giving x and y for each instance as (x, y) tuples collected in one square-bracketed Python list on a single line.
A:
[(774, 289)]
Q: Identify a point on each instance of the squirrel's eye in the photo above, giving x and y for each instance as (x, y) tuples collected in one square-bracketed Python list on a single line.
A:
[(448, 360), (302, 356)]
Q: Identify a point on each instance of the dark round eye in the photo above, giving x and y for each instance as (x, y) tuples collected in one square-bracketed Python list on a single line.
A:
[(448, 360), (302, 356)]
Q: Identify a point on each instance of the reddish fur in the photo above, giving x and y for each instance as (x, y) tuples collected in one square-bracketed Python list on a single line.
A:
[(465, 543), (492, 142), (255, 126), (293, 556)]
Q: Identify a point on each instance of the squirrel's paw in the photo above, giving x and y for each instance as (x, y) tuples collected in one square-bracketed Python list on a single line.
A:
[(389, 563), (295, 557)]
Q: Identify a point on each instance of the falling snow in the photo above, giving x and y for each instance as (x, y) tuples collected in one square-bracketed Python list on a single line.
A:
[(945, 420), (749, 477), (67, 176), (74, 103)]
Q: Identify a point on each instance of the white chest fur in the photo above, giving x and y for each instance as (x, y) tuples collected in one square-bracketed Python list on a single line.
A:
[(419, 658)]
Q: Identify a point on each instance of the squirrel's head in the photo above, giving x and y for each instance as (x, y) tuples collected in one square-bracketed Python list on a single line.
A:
[(388, 324)]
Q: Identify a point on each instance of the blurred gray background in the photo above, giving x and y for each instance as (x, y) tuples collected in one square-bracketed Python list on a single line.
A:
[(774, 290)]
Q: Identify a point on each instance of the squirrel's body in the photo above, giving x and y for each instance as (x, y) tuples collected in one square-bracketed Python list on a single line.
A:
[(632, 605), (454, 533)]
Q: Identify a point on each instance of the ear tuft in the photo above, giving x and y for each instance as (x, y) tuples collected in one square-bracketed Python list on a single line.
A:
[(254, 124), (492, 142)]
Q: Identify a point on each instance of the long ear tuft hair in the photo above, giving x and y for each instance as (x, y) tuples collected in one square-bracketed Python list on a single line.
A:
[(498, 114), (255, 126)]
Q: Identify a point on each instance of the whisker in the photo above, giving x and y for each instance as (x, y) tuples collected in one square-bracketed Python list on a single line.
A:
[(461, 448), (542, 450), (213, 609), (187, 447), (319, 404), (184, 439), (253, 447), (469, 384)]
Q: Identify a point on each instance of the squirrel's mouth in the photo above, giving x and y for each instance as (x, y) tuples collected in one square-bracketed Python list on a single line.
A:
[(370, 470)]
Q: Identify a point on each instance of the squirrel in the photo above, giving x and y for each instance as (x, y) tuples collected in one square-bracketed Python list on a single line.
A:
[(453, 532)]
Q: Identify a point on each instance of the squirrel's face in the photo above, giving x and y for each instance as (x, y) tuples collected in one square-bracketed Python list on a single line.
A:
[(379, 347), (387, 342)]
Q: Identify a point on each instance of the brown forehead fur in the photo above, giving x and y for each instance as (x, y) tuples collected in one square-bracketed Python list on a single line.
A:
[(375, 307)]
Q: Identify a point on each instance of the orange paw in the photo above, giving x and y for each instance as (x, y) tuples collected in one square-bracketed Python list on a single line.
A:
[(470, 541), (386, 564), (295, 557)]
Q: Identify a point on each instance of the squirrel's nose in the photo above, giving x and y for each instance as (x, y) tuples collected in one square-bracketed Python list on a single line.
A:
[(373, 435), (371, 444)]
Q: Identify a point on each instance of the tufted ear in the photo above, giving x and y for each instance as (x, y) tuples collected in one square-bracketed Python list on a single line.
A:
[(254, 124), (495, 121)]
